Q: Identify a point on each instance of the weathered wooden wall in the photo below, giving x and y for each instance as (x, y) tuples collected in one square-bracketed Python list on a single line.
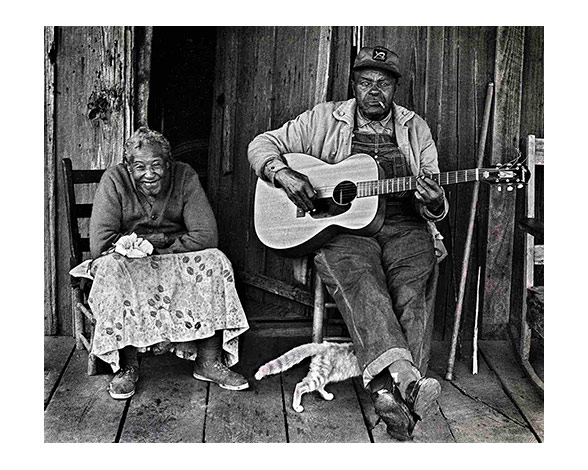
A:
[(50, 237), (92, 84), (446, 71), (531, 123), (267, 75)]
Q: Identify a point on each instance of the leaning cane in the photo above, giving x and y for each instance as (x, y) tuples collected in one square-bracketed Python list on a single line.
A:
[(468, 245)]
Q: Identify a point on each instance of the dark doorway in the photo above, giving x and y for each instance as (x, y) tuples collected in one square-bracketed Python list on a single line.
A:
[(182, 80)]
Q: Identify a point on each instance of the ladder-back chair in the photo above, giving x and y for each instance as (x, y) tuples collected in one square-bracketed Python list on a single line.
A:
[(80, 246), (532, 311)]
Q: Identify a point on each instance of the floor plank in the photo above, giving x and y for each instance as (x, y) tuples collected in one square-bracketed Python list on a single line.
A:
[(169, 405), (496, 405), (476, 407), (339, 420), (255, 414), (57, 351), (503, 362), (81, 409)]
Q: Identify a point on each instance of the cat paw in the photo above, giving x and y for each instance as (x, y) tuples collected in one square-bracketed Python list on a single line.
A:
[(298, 408), (328, 396)]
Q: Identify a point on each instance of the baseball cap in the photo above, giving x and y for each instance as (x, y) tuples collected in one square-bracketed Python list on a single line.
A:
[(377, 57)]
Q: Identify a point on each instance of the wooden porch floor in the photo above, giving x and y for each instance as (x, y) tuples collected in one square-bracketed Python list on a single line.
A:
[(497, 405)]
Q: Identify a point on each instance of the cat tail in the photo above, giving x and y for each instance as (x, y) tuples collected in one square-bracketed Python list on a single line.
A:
[(290, 359)]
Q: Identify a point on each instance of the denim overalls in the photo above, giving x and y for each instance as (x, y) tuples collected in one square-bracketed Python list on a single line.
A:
[(384, 285)]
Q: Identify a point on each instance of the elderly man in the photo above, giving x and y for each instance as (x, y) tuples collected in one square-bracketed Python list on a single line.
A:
[(383, 284), (182, 298)]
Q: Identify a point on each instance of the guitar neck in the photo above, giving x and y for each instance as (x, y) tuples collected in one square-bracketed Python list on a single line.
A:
[(408, 183)]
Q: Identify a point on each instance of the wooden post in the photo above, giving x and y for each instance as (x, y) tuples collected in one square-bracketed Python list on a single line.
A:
[(144, 77), (501, 213), (93, 95), (50, 185)]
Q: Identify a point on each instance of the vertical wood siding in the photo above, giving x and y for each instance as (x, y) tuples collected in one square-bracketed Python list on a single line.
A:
[(531, 123), (268, 75), (50, 186), (501, 209), (446, 71), (93, 99), (265, 76)]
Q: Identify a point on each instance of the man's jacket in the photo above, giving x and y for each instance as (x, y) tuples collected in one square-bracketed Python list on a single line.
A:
[(326, 132)]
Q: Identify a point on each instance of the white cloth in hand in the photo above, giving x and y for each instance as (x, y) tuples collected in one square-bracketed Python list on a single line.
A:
[(133, 246)]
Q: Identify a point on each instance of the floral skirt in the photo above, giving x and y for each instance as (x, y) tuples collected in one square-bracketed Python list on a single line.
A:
[(165, 303)]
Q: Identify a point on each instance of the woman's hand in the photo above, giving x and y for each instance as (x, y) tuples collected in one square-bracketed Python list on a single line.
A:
[(158, 240)]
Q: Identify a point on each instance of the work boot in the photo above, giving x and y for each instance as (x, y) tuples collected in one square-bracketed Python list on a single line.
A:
[(419, 393), (391, 408), (122, 385), (421, 396), (209, 367)]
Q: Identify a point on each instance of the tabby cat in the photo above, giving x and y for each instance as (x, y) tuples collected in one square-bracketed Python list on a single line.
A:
[(331, 362)]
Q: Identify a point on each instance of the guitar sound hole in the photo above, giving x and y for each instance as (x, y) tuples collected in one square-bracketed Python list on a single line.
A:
[(344, 193), (326, 207)]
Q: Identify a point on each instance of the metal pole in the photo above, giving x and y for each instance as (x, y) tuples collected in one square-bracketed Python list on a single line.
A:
[(468, 245)]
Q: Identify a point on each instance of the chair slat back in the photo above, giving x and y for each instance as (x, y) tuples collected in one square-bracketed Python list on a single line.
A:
[(78, 244)]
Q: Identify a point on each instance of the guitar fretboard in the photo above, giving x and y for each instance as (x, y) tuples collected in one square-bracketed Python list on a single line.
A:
[(408, 183)]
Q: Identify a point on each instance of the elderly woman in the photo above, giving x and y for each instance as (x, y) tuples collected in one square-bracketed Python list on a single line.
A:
[(180, 298)]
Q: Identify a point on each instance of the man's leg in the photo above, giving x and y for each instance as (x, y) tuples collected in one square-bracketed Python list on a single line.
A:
[(410, 265), (351, 268)]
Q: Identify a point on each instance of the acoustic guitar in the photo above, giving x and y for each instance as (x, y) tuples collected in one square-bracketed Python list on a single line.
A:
[(348, 199)]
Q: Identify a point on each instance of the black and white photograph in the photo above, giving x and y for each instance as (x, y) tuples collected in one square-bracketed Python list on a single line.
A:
[(262, 233), (294, 234)]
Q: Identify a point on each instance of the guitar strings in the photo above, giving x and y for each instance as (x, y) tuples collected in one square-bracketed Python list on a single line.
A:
[(400, 184)]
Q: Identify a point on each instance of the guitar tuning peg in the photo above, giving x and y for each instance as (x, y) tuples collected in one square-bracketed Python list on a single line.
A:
[(520, 185), (499, 188), (509, 188)]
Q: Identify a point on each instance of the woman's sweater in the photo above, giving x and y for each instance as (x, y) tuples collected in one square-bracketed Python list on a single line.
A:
[(180, 214)]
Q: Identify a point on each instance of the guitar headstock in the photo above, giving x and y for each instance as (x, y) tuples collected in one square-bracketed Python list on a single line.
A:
[(506, 174)]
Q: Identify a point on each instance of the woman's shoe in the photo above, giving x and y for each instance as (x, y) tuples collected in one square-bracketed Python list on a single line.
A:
[(122, 385), (217, 372)]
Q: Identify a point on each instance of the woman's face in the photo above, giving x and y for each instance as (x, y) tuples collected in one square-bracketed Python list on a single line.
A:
[(149, 169)]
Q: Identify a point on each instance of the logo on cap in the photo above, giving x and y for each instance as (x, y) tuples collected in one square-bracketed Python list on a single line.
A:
[(379, 54)]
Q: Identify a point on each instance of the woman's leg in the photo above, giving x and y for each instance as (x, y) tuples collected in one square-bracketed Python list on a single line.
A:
[(210, 367), (122, 385)]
